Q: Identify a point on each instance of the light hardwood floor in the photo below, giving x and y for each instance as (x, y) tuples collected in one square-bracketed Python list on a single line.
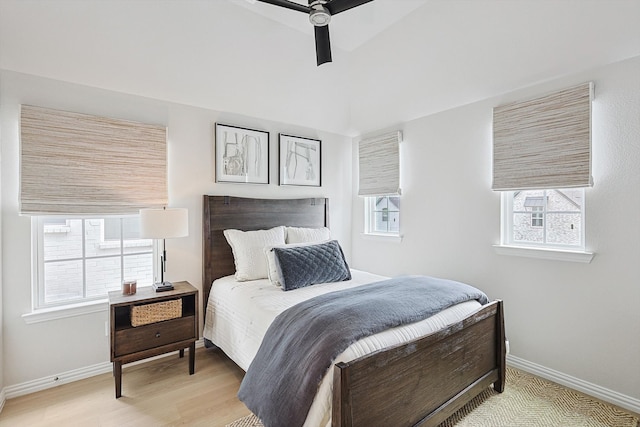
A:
[(156, 393)]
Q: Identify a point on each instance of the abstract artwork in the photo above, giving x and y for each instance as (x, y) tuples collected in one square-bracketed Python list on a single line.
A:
[(241, 155), (300, 161)]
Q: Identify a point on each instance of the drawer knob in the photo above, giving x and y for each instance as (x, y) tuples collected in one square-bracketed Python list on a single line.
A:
[(157, 334)]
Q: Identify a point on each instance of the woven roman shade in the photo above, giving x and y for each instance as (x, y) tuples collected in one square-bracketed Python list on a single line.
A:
[(379, 165), (73, 163), (544, 142)]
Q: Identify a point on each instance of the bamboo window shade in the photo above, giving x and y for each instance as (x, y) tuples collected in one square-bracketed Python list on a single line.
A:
[(544, 142), (72, 163), (379, 165)]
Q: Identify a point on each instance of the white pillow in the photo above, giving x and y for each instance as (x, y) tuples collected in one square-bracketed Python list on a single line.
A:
[(307, 235), (272, 268), (247, 248)]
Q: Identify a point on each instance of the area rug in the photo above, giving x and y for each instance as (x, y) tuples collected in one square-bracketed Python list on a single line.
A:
[(527, 401)]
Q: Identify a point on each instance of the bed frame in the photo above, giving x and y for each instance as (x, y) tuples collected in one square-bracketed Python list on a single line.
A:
[(422, 382)]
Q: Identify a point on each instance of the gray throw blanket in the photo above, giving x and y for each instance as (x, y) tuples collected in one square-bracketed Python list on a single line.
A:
[(303, 341)]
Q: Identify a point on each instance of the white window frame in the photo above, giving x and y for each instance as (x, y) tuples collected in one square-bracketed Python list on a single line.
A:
[(507, 246), (369, 222), (537, 216), (38, 280)]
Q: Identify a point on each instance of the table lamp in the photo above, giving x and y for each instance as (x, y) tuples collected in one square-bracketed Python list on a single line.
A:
[(163, 224)]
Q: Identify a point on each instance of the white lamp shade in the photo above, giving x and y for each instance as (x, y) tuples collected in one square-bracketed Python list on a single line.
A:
[(164, 223)]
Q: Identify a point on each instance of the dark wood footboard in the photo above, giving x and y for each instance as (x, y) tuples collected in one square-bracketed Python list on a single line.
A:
[(421, 382), (425, 381)]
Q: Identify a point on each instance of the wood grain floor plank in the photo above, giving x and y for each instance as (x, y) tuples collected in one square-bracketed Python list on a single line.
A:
[(157, 393)]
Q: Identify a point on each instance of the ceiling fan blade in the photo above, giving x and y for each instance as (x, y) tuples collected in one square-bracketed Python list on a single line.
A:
[(289, 5), (323, 45), (337, 6)]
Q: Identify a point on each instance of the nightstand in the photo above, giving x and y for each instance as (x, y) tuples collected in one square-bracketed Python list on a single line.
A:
[(130, 343)]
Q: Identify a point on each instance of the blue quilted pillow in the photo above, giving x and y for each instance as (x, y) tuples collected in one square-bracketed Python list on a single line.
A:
[(309, 265)]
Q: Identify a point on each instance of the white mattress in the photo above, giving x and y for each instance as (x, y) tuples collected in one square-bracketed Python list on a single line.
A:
[(238, 315)]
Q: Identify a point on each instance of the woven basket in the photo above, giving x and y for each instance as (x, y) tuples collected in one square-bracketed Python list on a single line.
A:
[(156, 312)]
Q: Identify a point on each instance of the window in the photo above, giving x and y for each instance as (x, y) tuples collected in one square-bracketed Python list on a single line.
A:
[(130, 228), (542, 164), (537, 216), (82, 258), (544, 218), (537, 205), (382, 215)]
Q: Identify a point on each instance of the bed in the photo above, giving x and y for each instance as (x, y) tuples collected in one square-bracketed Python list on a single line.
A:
[(425, 378)]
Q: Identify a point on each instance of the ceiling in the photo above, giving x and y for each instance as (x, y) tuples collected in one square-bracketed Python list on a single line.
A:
[(393, 60), (349, 29)]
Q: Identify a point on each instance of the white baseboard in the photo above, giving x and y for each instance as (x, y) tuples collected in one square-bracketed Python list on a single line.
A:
[(33, 386), (56, 380), (3, 398), (602, 393)]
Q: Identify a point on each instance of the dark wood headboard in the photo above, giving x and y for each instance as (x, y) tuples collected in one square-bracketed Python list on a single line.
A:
[(223, 212)]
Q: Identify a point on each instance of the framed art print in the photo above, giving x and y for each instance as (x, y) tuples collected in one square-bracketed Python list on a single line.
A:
[(300, 161), (241, 155)]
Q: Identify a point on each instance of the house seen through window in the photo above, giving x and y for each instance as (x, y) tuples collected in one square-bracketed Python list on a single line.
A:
[(383, 215), (545, 218), (80, 259), (537, 210)]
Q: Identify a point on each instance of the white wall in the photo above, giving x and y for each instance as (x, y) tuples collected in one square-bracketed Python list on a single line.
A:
[(217, 55), (79, 342), (451, 53), (210, 54), (2, 396), (579, 319)]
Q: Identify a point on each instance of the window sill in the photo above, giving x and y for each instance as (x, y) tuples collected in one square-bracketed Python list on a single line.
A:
[(62, 312), (397, 238), (540, 253)]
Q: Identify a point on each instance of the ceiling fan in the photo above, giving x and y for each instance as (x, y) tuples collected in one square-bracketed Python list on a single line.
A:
[(320, 13)]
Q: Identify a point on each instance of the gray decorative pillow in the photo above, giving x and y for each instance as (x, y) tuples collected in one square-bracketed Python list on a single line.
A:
[(271, 259), (302, 266)]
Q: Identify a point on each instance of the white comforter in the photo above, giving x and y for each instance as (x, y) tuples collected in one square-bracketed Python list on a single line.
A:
[(238, 315)]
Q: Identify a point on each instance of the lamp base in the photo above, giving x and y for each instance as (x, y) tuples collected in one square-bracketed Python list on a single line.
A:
[(163, 286)]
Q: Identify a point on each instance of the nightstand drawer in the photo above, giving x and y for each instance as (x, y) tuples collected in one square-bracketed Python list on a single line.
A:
[(132, 340)]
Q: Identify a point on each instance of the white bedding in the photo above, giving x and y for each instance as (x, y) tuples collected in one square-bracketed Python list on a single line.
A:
[(238, 315)]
